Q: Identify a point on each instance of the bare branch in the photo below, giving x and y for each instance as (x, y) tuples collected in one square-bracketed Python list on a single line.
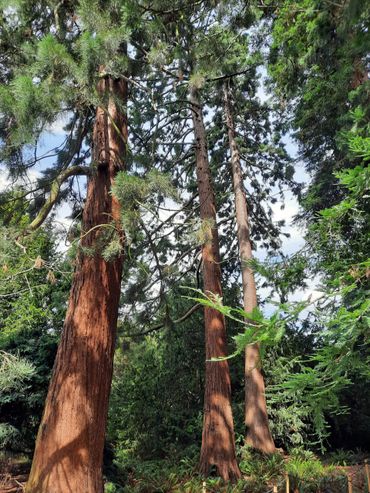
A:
[(161, 325)]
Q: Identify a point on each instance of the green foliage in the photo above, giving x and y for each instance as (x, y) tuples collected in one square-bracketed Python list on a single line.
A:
[(9, 435), (168, 476), (113, 248), (291, 420), (159, 54), (308, 474), (316, 368), (197, 80), (318, 62), (30, 105), (53, 58), (345, 457), (260, 472), (266, 331), (13, 373), (202, 231), (150, 414), (34, 282), (282, 275), (137, 195), (340, 237), (128, 188), (179, 476), (261, 468)]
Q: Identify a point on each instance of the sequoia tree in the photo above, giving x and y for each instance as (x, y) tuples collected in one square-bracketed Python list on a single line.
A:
[(256, 419), (218, 442), (228, 69), (70, 60), (69, 447), (186, 55)]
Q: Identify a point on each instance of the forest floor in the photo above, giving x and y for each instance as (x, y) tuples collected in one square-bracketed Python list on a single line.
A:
[(14, 471)]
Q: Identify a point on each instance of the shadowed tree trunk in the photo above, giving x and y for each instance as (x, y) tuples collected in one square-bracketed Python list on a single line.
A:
[(256, 418), (218, 442), (69, 446)]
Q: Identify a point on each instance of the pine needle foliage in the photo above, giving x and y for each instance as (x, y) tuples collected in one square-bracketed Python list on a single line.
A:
[(14, 372)]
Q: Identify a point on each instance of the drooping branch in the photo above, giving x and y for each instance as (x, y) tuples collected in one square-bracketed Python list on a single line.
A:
[(54, 194)]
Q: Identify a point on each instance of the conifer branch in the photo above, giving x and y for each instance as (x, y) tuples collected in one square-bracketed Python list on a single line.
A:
[(156, 258), (161, 325), (230, 76), (54, 194)]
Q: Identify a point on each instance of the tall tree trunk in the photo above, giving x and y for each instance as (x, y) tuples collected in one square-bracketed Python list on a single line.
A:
[(218, 442), (69, 446), (256, 418)]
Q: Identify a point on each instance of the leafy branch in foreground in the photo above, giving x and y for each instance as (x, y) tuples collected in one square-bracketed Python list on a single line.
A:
[(316, 381), (258, 329)]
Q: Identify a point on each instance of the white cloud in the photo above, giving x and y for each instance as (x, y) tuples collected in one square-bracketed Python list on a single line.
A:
[(29, 179)]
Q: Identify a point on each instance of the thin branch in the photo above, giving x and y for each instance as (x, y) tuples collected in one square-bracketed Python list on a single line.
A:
[(161, 325), (54, 194)]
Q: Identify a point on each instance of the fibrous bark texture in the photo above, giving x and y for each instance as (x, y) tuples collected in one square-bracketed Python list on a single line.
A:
[(218, 442), (69, 447), (256, 418)]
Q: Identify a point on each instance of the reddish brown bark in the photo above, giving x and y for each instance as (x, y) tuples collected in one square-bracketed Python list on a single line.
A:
[(256, 418), (69, 446), (360, 74), (218, 442)]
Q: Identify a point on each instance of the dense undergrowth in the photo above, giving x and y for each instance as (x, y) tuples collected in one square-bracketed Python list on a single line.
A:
[(307, 473)]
